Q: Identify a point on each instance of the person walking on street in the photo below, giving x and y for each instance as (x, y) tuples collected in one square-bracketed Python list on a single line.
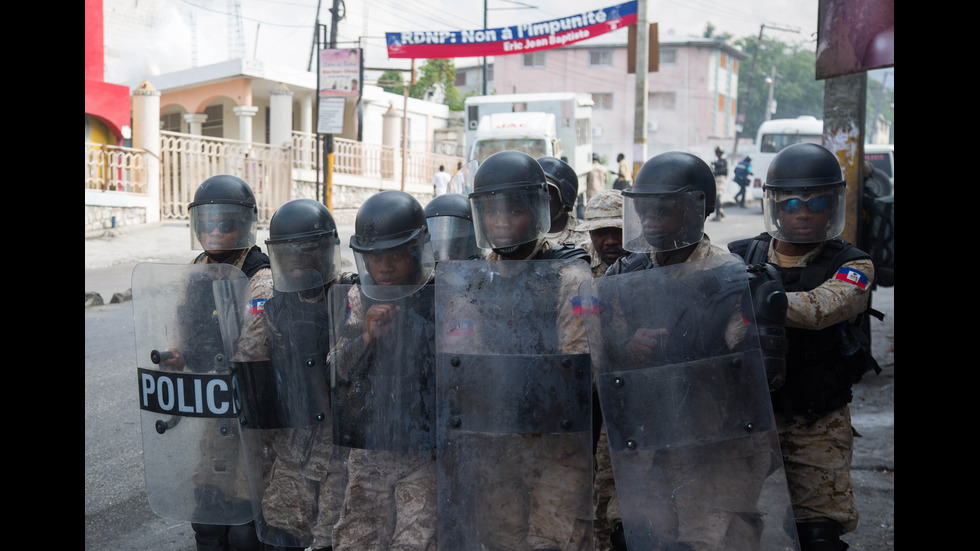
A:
[(828, 285), (743, 177), (720, 169), (440, 180), (596, 179)]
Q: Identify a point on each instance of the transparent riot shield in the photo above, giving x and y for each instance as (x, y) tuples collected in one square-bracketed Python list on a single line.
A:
[(296, 475), (514, 406), (686, 407), (382, 398), (192, 454)]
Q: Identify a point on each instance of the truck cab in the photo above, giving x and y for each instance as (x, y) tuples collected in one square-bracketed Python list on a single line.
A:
[(532, 133)]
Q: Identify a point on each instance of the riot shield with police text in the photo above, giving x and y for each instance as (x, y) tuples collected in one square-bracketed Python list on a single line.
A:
[(296, 475), (192, 454), (514, 406), (686, 407)]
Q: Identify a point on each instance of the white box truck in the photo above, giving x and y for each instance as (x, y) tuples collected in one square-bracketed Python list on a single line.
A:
[(541, 124)]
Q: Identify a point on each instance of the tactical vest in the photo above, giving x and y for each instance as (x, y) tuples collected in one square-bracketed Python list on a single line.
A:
[(821, 367)]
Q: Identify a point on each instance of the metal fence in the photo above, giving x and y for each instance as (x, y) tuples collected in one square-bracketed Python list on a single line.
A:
[(112, 168)]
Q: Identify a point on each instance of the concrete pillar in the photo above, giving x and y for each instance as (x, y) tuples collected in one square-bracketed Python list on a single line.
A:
[(245, 114), (194, 122), (281, 116), (390, 137), (146, 136), (306, 113)]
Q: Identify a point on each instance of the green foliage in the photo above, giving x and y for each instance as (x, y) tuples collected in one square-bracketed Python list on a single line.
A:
[(392, 82), (797, 91)]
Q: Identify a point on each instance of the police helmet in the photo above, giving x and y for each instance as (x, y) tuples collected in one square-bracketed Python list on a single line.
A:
[(224, 203), (303, 246), (390, 229), (509, 186), (804, 178), (560, 174), (672, 194), (450, 223)]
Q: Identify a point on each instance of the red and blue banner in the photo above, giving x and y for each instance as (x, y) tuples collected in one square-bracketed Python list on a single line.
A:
[(518, 39)]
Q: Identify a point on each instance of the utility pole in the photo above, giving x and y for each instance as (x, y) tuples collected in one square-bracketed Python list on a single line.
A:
[(411, 82), (335, 17), (642, 86), (743, 98)]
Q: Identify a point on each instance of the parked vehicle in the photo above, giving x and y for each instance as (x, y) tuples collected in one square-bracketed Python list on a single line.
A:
[(571, 113), (882, 158)]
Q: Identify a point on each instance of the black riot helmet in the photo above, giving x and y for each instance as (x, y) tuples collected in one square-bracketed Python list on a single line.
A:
[(450, 221), (803, 195), (672, 194), (223, 215), (303, 246), (562, 175), (391, 235), (510, 201)]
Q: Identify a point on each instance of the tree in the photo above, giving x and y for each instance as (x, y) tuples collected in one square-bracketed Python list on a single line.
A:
[(796, 90), (392, 82)]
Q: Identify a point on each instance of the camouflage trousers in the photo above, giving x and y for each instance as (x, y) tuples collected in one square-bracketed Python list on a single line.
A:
[(604, 497), (221, 465), (817, 458), (390, 504), (306, 487), (534, 491)]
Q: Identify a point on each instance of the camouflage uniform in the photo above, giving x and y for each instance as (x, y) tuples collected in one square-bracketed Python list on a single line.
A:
[(549, 476), (306, 485), (738, 473), (604, 210), (254, 344), (390, 501), (817, 455), (571, 234)]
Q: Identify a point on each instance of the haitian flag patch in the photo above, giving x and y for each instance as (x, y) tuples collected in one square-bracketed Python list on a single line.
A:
[(852, 276), (258, 306)]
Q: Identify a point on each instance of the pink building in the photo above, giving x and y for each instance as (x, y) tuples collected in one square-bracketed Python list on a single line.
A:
[(692, 97)]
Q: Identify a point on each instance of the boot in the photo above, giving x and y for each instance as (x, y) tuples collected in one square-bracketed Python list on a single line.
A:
[(820, 536)]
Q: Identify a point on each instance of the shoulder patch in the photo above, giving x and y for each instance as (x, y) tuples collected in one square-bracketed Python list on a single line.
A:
[(258, 306), (852, 276)]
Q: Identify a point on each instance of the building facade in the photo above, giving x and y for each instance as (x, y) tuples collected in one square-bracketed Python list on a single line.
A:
[(692, 96)]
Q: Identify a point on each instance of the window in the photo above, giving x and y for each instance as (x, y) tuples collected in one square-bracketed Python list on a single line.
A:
[(460, 79), (734, 65), (170, 122), (664, 101), (533, 60), (723, 60), (602, 100), (668, 56), (600, 58), (721, 102), (214, 125)]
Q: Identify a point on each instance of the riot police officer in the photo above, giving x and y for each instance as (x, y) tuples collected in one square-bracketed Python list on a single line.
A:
[(563, 191), (223, 222), (679, 303), (450, 222), (382, 378), (514, 446), (828, 286), (287, 407)]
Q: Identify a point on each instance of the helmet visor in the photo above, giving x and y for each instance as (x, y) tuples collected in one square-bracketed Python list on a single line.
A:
[(307, 264), (453, 238), (511, 217), (804, 216), (655, 223), (222, 227), (398, 272)]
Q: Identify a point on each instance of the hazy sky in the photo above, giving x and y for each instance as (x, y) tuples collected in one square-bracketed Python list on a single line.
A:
[(200, 32)]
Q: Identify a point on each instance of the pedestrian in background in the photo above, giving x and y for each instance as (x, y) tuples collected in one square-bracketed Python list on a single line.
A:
[(828, 288), (720, 169), (596, 179), (743, 174), (440, 180)]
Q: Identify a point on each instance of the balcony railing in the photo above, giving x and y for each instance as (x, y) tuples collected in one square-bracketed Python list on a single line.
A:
[(112, 168)]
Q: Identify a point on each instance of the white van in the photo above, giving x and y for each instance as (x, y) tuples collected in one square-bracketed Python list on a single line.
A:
[(774, 136)]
